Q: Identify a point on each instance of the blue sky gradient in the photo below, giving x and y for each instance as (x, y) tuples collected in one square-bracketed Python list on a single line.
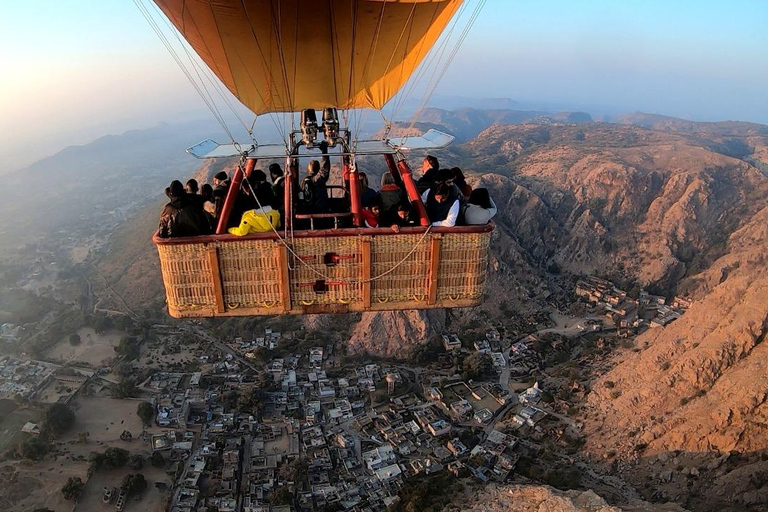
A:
[(73, 70)]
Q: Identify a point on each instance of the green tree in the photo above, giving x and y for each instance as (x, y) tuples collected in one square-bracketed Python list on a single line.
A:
[(157, 460), (116, 457), (281, 496), (73, 488), (102, 324), (146, 412), (58, 418), (128, 347), (74, 339), (134, 483), (125, 388), (34, 448), (136, 462), (478, 365)]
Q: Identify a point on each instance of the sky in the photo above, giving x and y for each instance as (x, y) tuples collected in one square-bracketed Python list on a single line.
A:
[(74, 70)]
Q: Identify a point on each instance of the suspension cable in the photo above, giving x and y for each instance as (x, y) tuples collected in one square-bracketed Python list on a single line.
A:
[(206, 99)]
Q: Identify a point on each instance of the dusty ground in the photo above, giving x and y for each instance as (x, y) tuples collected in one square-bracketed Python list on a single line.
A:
[(105, 419), (95, 349), (26, 486), (11, 422), (152, 500)]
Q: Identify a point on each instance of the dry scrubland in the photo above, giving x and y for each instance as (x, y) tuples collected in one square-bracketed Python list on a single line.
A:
[(26, 486)]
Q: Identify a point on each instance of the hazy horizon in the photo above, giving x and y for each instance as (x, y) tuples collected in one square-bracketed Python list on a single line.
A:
[(101, 70)]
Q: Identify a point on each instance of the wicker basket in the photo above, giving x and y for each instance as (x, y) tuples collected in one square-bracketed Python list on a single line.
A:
[(324, 271)]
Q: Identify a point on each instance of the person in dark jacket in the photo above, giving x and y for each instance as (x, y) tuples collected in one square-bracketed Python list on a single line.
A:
[(400, 216), (429, 169), (313, 187), (278, 185), (460, 181), (442, 205), (181, 217), (447, 177), (221, 184), (391, 194), (367, 194), (191, 188)]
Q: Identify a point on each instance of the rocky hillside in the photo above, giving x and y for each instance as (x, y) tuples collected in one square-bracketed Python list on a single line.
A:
[(540, 498), (689, 406), (621, 200), (635, 204)]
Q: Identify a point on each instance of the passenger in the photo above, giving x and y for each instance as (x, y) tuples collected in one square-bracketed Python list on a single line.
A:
[(181, 217), (314, 187), (461, 182), (429, 169), (260, 219), (391, 194), (374, 216), (399, 217), (442, 205), (263, 189), (367, 194), (221, 184), (191, 188), (447, 176), (278, 185), (372, 213), (209, 208), (480, 208)]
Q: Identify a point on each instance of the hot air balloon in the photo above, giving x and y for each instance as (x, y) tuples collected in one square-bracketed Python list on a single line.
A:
[(304, 56)]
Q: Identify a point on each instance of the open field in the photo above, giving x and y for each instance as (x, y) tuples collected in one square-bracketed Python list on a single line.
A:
[(105, 419), (25, 487), (152, 500), (11, 422), (94, 349)]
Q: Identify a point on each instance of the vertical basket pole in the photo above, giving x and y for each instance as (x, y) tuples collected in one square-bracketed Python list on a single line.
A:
[(218, 289), (365, 272), (434, 266), (281, 254)]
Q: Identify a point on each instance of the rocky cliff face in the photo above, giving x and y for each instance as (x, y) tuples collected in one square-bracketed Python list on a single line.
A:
[(541, 498), (647, 205), (697, 391)]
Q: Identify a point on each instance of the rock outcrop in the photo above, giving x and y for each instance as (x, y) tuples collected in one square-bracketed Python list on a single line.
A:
[(541, 498)]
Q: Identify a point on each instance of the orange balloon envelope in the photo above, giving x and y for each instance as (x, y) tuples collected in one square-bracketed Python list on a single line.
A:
[(290, 55)]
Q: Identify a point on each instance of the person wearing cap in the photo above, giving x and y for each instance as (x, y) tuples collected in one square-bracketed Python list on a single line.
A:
[(181, 217)]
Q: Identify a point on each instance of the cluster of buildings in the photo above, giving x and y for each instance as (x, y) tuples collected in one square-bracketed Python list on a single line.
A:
[(269, 341), (311, 440), (630, 315), (23, 377)]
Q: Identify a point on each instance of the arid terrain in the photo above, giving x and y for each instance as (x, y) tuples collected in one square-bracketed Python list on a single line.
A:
[(673, 418)]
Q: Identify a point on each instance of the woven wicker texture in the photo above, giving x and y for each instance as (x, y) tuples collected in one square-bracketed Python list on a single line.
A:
[(250, 274), (342, 278), (463, 262), (406, 283), (187, 277)]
